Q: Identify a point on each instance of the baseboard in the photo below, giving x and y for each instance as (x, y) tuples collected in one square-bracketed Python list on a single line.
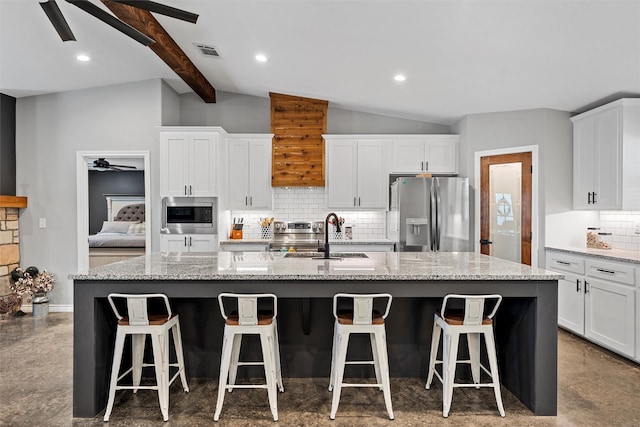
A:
[(53, 308)]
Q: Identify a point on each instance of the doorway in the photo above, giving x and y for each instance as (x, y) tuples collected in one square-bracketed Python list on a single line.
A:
[(84, 159), (507, 216)]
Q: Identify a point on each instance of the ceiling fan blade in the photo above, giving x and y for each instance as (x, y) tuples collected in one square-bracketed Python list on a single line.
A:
[(124, 166), (57, 20), (111, 20), (162, 9)]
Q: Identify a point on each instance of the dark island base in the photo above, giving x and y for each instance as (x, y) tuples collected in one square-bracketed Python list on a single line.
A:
[(526, 354)]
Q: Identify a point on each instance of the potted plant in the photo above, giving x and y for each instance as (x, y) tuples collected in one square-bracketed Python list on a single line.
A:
[(35, 283)]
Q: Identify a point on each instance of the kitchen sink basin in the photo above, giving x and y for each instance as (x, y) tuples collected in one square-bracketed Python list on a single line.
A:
[(320, 255)]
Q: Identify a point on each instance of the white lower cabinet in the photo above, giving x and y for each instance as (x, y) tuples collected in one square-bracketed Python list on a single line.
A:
[(188, 242), (597, 299)]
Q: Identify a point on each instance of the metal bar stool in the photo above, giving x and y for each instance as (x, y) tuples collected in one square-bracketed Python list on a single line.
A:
[(249, 320), (363, 319), (472, 322), (139, 323)]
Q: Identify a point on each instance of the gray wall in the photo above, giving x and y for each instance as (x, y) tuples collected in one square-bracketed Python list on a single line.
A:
[(251, 114), (7, 145), (50, 130), (550, 130)]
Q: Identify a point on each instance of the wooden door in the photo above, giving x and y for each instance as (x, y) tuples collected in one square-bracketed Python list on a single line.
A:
[(505, 206)]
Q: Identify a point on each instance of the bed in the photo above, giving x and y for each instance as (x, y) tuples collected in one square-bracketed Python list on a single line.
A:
[(122, 237)]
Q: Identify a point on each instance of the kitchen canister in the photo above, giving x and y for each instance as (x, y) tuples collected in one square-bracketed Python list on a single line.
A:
[(592, 237)]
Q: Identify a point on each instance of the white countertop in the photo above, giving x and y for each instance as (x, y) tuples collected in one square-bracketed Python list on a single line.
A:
[(610, 254), (265, 266), (332, 242)]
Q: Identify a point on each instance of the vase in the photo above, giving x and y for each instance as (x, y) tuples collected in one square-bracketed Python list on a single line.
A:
[(40, 305)]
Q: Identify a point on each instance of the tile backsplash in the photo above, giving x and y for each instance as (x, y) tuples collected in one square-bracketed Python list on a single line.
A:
[(625, 227), (310, 204)]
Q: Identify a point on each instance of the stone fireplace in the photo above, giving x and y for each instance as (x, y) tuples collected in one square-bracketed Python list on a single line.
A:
[(9, 238)]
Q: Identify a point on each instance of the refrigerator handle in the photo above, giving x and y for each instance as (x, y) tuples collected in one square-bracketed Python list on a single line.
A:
[(438, 213), (432, 220)]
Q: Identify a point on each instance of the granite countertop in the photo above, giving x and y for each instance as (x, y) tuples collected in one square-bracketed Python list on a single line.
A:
[(610, 254), (276, 266), (332, 242)]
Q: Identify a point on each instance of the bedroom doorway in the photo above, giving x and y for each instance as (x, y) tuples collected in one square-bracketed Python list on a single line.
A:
[(94, 160)]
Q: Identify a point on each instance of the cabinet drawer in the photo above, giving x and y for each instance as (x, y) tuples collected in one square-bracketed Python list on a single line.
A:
[(614, 272), (563, 262)]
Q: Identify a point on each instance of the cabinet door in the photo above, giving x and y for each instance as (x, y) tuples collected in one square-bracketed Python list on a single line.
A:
[(238, 173), (608, 159), (373, 178), (610, 315), (571, 303), (203, 243), (260, 191), (174, 164), (203, 165), (407, 156), (583, 163), (441, 155), (342, 174), (174, 243)]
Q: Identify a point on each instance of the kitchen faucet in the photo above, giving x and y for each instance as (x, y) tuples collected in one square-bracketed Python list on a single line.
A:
[(326, 233)]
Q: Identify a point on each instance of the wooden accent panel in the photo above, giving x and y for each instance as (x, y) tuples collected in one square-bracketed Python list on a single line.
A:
[(298, 147), (13, 202), (165, 47)]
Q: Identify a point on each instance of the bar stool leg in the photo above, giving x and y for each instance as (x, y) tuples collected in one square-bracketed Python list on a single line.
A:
[(161, 380), (115, 371), (381, 351), (342, 345), (493, 365), (266, 339), (235, 357), (177, 343), (376, 359), (225, 360), (450, 367), (334, 355), (435, 343), (137, 356), (473, 343), (277, 358)]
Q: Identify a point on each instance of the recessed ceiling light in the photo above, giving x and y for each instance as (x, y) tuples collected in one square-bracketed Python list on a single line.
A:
[(261, 58), (399, 78), (83, 58)]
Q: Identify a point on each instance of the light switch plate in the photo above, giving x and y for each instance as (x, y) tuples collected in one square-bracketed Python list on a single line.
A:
[(42, 223)]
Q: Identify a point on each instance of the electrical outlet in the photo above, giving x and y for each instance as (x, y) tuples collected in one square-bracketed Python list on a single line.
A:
[(637, 227), (42, 223)]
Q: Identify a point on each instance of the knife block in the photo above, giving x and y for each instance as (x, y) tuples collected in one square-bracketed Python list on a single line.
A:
[(236, 234)]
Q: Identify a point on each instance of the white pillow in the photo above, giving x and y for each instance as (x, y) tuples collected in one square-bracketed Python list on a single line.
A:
[(137, 228), (119, 227)]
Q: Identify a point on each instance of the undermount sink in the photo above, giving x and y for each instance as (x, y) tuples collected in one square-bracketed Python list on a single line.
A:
[(320, 255)]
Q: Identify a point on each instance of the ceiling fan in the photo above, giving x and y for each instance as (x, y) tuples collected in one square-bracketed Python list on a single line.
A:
[(102, 164), (58, 21)]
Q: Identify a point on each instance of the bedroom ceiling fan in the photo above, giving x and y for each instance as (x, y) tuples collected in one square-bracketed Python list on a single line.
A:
[(58, 21), (102, 165)]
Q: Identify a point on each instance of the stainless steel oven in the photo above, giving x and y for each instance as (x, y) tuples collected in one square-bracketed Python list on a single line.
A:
[(189, 215)]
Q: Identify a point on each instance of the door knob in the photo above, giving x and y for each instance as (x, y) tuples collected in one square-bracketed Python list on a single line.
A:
[(485, 242)]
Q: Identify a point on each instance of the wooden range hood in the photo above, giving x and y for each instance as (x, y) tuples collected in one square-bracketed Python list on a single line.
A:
[(13, 202)]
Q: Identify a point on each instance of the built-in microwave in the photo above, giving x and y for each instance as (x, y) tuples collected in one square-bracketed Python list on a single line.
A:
[(189, 215)]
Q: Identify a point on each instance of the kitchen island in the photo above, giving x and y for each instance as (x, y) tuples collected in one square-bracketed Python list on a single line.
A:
[(526, 324)]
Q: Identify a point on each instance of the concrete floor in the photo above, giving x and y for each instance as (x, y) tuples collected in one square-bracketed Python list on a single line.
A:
[(595, 388)]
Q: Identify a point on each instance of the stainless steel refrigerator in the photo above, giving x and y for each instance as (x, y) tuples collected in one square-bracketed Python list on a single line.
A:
[(430, 214)]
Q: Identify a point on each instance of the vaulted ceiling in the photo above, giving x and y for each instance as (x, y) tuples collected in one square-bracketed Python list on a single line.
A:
[(459, 57)]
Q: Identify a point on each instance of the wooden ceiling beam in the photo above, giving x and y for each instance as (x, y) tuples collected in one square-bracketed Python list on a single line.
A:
[(165, 47)]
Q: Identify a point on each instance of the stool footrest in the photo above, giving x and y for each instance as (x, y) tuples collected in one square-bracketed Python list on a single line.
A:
[(231, 387), (250, 363), (361, 385), (473, 385), (140, 387), (358, 362)]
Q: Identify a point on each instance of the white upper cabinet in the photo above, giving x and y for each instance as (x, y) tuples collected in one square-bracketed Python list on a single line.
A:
[(357, 172), (250, 171), (606, 152), (188, 163), (437, 154)]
